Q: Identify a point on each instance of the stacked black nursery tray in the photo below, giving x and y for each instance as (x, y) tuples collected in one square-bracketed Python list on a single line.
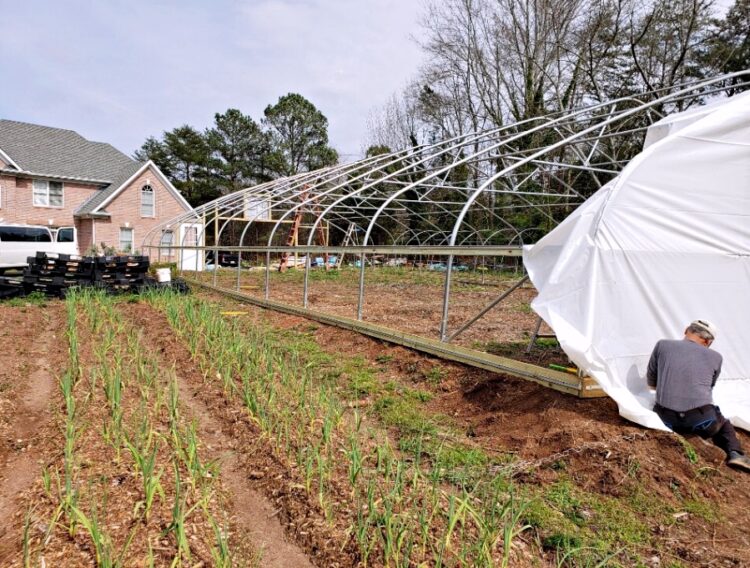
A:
[(52, 274)]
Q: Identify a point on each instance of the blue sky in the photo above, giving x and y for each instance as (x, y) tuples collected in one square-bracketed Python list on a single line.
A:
[(118, 71)]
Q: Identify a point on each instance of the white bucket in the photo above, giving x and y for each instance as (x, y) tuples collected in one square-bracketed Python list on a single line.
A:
[(163, 274)]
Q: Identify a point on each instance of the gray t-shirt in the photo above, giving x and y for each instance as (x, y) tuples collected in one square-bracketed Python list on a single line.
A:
[(684, 373)]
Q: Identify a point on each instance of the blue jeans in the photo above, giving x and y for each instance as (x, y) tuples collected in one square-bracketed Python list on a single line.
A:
[(706, 421)]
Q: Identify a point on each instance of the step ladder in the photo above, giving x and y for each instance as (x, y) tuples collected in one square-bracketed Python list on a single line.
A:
[(291, 239), (350, 239), (293, 236)]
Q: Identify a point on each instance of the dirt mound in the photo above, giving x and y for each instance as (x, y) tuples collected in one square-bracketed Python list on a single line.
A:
[(30, 362), (607, 455)]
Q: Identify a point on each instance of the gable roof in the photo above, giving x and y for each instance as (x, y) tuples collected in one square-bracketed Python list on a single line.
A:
[(56, 152), (97, 198), (94, 204)]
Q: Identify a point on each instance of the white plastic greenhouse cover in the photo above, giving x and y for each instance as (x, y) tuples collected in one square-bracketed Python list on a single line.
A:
[(666, 242)]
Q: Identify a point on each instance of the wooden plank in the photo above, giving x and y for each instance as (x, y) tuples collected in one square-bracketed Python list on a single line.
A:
[(591, 389)]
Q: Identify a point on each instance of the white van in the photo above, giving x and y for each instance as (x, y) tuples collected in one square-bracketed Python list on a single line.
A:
[(18, 242)]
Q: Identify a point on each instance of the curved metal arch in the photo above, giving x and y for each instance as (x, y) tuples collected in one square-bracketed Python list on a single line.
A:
[(315, 196), (561, 143), (559, 150), (545, 124), (233, 206), (445, 169), (415, 160), (505, 142)]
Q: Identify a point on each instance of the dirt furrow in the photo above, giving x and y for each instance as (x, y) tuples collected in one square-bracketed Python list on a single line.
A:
[(253, 514), (32, 357)]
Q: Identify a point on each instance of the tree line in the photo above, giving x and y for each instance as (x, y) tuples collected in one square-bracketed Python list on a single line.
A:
[(237, 152), (494, 62)]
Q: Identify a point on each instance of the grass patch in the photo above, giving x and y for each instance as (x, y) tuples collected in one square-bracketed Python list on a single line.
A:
[(399, 412), (458, 456), (562, 542), (452, 461), (525, 308), (33, 299), (585, 528), (701, 509), (690, 452), (435, 375), (616, 525), (562, 496), (550, 522), (648, 505), (362, 382), (304, 344), (359, 379), (516, 348), (417, 395)]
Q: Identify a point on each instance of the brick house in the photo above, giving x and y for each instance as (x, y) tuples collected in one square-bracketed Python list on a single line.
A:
[(55, 177)]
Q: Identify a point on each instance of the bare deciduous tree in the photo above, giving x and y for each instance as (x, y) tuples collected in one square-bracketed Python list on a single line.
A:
[(495, 62), (665, 39)]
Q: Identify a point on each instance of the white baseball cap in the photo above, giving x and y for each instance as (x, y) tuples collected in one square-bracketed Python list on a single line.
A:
[(706, 325)]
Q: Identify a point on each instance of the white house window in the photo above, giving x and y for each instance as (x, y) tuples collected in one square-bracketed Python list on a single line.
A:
[(147, 201), (167, 239), (126, 239), (48, 193)]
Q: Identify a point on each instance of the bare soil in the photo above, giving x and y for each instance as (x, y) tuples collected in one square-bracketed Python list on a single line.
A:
[(33, 355), (551, 436), (410, 302), (105, 482)]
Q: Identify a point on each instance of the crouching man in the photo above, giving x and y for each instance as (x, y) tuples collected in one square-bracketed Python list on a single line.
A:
[(684, 373)]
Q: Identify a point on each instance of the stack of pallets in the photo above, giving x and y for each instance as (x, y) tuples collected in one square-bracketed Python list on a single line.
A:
[(120, 273), (53, 274), (11, 287)]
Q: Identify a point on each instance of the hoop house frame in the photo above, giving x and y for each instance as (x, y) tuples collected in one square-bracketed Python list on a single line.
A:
[(477, 196)]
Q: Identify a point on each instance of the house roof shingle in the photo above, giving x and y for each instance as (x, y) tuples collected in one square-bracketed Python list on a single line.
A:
[(90, 205), (57, 152)]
